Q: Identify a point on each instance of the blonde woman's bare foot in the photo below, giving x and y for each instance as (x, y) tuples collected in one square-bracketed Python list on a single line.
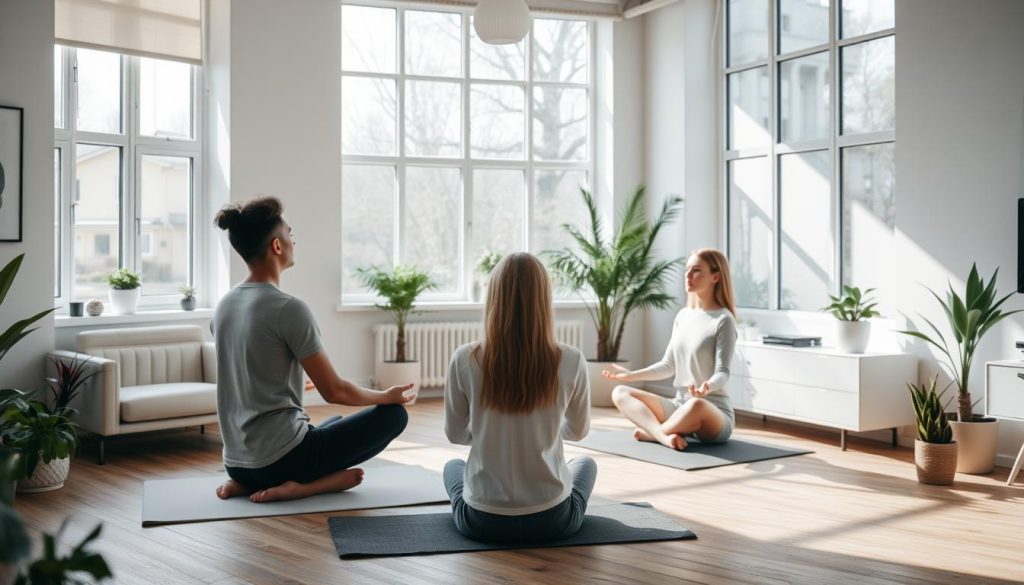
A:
[(674, 441), (230, 489), (642, 435), (338, 481)]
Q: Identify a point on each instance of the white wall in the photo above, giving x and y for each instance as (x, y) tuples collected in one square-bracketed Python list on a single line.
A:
[(26, 80)]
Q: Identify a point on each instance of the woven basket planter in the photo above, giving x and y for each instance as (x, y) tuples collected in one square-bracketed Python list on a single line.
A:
[(46, 477), (936, 462)]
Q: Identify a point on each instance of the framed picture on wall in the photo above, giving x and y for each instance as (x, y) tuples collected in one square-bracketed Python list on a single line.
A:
[(12, 124)]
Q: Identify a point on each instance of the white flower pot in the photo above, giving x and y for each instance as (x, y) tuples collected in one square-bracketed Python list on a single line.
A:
[(977, 441), (388, 374), (46, 477), (125, 301), (853, 336), (601, 387)]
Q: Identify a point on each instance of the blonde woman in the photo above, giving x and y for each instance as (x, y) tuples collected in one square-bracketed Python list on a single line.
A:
[(513, 398), (697, 358)]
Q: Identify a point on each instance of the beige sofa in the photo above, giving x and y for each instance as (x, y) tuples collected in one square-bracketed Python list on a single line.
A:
[(151, 378)]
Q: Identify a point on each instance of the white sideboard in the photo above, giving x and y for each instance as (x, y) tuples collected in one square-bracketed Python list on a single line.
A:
[(1004, 398), (823, 386)]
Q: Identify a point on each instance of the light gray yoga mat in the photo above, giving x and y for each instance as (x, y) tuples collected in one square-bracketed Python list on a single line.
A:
[(385, 536), (193, 499), (696, 456)]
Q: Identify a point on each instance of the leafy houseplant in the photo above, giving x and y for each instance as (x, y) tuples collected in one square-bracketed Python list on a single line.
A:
[(620, 270), (399, 287), (17, 331), (484, 267), (125, 290), (970, 317), (47, 439), (53, 569), (935, 452), (188, 298), (66, 383), (850, 309)]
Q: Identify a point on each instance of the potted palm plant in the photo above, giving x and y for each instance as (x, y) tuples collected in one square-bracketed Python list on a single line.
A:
[(616, 275), (850, 310), (970, 318), (125, 290), (934, 448), (399, 288)]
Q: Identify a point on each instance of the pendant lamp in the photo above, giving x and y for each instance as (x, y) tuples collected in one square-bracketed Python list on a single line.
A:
[(501, 22)]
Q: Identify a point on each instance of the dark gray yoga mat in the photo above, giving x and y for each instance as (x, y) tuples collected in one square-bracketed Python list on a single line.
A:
[(696, 456), (416, 534)]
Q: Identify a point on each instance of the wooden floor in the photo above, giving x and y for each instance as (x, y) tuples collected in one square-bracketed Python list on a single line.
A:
[(830, 517)]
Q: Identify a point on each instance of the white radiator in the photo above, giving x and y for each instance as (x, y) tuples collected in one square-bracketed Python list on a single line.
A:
[(432, 344)]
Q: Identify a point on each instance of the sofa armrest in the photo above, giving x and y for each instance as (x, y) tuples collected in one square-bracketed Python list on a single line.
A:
[(209, 352), (98, 401)]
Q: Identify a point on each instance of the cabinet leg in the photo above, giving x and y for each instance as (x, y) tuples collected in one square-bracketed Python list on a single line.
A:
[(842, 439), (895, 443), (102, 454), (1016, 466), (764, 418), (202, 429)]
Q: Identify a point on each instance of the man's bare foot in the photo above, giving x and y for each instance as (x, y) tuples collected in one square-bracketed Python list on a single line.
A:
[(642, 435), (293, 490), (674, 441), (230, 489)]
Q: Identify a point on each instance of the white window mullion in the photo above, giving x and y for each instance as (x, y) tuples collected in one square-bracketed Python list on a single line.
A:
[(528, 179), (775, 282), (400, 167), (466, 278), (130, 162)]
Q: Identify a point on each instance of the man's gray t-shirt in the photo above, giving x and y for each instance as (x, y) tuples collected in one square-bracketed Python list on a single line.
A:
[(261, 335)]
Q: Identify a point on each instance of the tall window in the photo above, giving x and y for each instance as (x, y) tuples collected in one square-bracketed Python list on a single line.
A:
[(126, 172), (452, 148), (809, 148)]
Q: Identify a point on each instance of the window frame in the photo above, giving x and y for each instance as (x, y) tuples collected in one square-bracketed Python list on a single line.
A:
[(133, 146), (835, 144), (466, 164)]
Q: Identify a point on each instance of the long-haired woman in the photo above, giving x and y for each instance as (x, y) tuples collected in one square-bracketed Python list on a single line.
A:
[(697, 358), (513, 398)]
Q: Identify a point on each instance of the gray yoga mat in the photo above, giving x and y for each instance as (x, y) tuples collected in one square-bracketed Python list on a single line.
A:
[(697, 455), (170, 501), (385, 536)]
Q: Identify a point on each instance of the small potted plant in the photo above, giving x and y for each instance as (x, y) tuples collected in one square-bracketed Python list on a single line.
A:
[(484, 267), (850, 310), (622, 273), (125, 290), (934, 448), (399, 288), (188, 298), (46, 438), (970, 317)]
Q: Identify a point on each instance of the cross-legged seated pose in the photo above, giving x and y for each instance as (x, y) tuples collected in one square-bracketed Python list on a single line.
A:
[(265, 339), (698, 356), (513, 398)]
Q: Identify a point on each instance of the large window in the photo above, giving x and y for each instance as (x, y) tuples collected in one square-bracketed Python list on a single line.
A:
[(126, 172), (809, 165), (452, 148)]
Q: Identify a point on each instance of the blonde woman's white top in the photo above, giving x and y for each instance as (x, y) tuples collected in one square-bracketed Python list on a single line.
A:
[(516, 465)]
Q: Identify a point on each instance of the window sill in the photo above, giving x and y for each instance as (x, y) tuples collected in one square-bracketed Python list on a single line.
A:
[(142, 317), (354, 307)]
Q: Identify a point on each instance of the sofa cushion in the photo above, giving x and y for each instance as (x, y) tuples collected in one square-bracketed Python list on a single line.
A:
[(160, 401)]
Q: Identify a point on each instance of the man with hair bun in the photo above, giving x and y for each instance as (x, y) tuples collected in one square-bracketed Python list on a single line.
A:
[(265, 339)]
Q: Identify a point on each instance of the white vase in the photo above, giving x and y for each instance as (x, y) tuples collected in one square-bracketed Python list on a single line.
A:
[(601, 387), (46, 477), (977, 445), (125, 301), (853, 336), (388, 374)]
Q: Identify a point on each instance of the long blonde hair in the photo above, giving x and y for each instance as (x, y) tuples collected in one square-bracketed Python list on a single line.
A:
[(519, 356), (717, 264)]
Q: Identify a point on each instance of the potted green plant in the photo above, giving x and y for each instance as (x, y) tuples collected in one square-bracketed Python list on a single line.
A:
[(970, 317), (851, 309), (16, 545), (53, 568), (46, 440), (188, 298), (934, 448), (484, 266), (399, 288), (125, 290), (620, 273)]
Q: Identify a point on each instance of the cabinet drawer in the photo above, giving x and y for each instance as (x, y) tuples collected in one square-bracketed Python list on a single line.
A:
[(767, 395), (1005, 392), (827, 407), (794, 366)]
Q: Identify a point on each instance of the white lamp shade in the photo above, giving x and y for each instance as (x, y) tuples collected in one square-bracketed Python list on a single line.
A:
[(501, 22)]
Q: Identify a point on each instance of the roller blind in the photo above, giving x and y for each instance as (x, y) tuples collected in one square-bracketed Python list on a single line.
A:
[(165, 29)]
